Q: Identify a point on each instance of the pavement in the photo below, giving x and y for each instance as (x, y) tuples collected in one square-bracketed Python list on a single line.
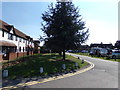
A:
[(99, 74)]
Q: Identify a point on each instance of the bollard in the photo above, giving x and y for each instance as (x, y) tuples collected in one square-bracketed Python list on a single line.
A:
[(82, 61), (5, 73), (41, 70), (78, 58), (63, 66), (76, 64)]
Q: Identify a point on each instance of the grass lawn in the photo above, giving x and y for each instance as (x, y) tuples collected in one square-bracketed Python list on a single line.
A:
[(105, 58), (52, 64), (85, 54)]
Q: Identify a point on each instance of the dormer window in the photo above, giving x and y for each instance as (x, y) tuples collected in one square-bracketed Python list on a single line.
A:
[(10, 36), (2, 33), (20, 39), (23, 41), (16, 38)]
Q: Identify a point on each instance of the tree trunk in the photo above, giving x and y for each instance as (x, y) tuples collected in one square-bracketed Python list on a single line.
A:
[(60, 53), (63, 54)]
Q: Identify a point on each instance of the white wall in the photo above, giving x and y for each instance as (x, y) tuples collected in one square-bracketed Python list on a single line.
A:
[(0, 33), (17, 43)]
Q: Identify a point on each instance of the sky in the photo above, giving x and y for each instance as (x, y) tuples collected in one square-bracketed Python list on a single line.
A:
[(100, 16)]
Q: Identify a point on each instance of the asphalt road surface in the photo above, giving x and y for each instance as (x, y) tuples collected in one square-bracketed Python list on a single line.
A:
[(103, 75)]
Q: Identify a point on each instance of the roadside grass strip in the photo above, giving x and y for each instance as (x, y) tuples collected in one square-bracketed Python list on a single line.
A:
[(105, 58)]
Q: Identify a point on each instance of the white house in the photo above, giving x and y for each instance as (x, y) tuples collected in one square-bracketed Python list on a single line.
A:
[(13, 42)]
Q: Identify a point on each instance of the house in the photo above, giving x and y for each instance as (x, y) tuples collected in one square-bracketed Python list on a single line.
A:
[(13, 42), (101, 45), (36, 46)]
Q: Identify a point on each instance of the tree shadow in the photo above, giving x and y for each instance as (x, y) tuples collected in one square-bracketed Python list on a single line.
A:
[(25, 71)]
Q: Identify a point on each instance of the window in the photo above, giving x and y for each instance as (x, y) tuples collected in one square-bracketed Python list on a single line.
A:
[(16, 38), (20, 49), (117, 51), (23, 41), (26, 49), (23, 49), (2, 33), (20, 40), (10, 36), (13, 37), (12, 49)]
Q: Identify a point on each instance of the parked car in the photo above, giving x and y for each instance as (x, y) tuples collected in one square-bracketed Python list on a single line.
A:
[(98, 51), (114, 54), (93, 51), (84, 51), (103, 52), (73, 51), (70, 51)]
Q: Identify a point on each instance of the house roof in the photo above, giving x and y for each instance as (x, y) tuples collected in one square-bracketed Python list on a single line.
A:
[(101, 45), (6, 43), (2, 26), (6, 27)]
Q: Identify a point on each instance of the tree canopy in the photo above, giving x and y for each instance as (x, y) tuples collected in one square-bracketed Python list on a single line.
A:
[(117, 44), (63, 27)]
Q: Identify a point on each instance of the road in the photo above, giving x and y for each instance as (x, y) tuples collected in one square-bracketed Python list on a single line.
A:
[(103, 75)]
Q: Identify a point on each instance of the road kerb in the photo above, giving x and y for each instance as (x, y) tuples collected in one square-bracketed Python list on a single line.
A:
[(52, 78)]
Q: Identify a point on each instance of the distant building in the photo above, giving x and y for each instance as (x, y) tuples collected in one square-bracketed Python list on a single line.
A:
[(84, 47), (101, 45), (13, 42), (36, 46)]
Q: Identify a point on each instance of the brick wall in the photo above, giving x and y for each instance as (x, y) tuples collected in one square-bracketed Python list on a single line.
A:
[(16, 55), (38, 51), (1, 57), (12, 56), (30, 52), (20, 54)]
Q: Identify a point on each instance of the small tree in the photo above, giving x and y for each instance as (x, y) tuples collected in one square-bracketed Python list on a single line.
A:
[(117, 44), (63, 27)]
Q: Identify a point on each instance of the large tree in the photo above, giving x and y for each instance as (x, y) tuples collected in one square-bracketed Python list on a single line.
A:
[(63, 27)]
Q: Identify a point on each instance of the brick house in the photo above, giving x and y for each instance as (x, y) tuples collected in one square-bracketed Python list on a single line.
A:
[(13, 42), (36, 46)]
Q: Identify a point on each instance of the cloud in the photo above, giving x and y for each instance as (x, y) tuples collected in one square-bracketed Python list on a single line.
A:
[(102, 31)]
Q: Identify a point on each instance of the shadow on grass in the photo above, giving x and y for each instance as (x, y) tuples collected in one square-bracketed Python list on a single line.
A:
[(30, 67)]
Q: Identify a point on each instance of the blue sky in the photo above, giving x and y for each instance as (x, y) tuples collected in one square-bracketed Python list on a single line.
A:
[(101, 18)]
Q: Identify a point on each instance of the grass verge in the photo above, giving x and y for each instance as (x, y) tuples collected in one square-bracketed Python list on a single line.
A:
[(105, 58), (51, 64)]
